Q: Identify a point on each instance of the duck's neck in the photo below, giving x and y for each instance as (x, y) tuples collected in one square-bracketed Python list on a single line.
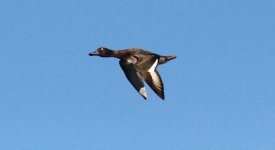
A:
[(109, 53), (115, 53)]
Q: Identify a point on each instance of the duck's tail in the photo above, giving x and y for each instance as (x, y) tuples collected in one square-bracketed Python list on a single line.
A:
[(164, 59)]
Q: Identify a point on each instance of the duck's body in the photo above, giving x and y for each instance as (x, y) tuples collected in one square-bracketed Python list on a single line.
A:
[(138, 65)]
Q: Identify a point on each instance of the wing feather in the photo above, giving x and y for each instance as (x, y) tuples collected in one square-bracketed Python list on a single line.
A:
[(154, 80), (134, 77)]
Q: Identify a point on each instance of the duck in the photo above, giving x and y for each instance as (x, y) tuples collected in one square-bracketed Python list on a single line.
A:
[(138, 66)]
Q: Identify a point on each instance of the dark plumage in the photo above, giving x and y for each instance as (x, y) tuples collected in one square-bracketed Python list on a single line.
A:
[(138, 65)]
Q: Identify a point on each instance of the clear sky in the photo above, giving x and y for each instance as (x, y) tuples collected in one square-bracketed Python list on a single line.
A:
[(220, 91)]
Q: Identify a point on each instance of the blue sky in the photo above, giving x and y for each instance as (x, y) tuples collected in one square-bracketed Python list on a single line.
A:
[(219, 91)]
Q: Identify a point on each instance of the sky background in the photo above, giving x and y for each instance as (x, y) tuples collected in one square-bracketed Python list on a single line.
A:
[(220, 91)]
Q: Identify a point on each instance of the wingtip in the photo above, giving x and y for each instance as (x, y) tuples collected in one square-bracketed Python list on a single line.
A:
[(162, 97), (145, 98), (143, 93)]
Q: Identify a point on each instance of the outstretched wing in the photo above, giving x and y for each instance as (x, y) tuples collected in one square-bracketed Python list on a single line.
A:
[(154, 80), (134, 77)]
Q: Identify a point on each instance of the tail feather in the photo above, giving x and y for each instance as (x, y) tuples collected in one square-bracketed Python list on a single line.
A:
[(164, 59)]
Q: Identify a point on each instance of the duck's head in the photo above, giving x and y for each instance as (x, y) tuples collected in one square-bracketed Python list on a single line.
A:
[(102, 52)]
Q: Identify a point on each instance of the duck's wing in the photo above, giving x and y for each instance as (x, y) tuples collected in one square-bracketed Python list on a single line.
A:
[(154, 80), (134, 77)]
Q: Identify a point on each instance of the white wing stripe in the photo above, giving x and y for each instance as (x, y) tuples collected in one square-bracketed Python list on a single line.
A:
[(155, 79), (153, 67), (142, 91)]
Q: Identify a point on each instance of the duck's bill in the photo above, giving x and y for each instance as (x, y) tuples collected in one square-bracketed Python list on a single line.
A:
[(94, 53)]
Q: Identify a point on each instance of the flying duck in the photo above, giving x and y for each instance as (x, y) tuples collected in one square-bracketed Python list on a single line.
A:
[(138, 65)]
